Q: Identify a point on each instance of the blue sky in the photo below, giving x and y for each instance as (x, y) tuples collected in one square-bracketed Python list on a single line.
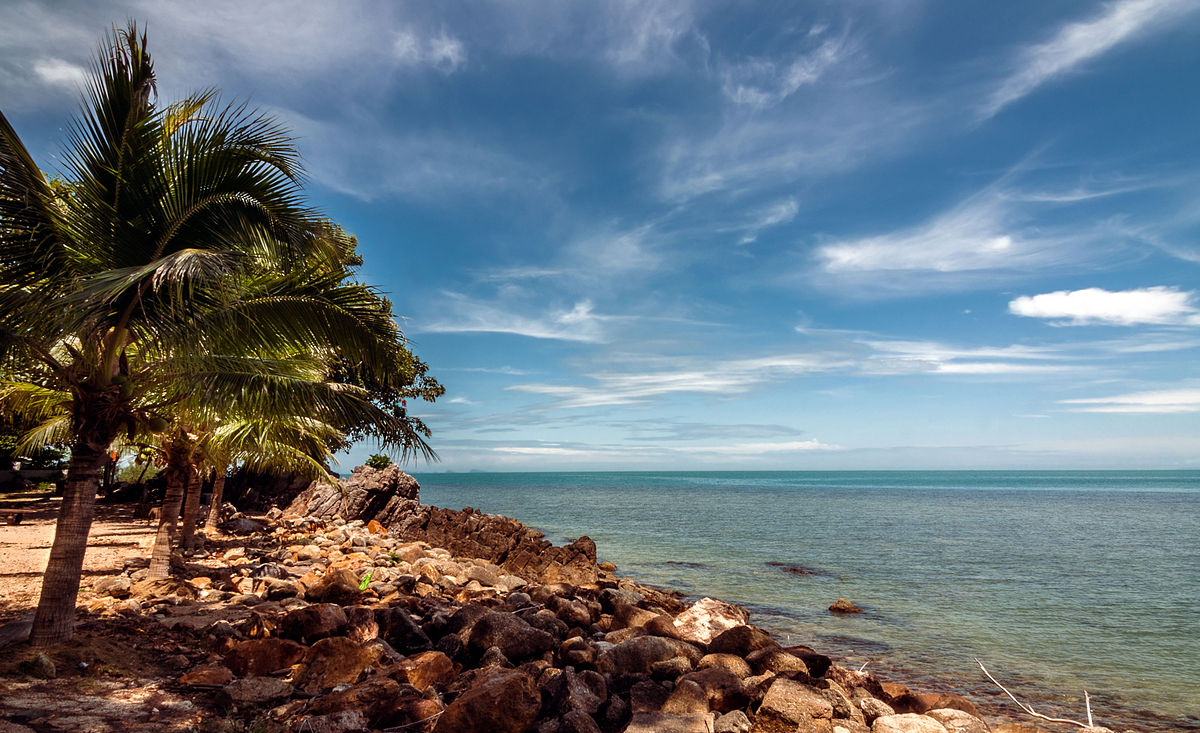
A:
[(696, 235)]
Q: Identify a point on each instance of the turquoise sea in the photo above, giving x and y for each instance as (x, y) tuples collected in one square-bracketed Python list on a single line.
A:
[(1058, 581)]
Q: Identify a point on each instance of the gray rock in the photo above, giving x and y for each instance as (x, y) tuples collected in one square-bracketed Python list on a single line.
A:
[(907, 723), (253, 691), (733, 722), (958, 721)]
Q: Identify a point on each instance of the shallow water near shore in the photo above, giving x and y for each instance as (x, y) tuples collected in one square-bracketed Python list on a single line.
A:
[(1058, 581)]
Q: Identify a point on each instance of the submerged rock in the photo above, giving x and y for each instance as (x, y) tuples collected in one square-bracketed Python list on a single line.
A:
[(842, 605)]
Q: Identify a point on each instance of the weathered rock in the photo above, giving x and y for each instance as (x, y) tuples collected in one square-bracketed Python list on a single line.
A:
[(789, 705), (262, 656), (334, 661), (923, 702), (907, 723), (850, 726), (116, 586), (872, 708), (514, 637), (426, 669), (818, 664), (732, 722), (639, 655), (740, 641), (842, 605), (397, 627), (40, 666), (670, 723), (343, 721), (338, 585), (669, 669), (958, 721), (570, 691), (774, 659), (361, 624), (687, 697), (506, 701), (723, 689), (577, 721), (1018, 728), (577, 652), (707, 618), (383, 701), (646, 696), (207, 675), (731, 662), (312, 623), (255, 691), (369, 493)]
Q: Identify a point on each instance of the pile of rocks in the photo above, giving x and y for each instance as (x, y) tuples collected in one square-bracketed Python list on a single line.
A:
[(343, 626)]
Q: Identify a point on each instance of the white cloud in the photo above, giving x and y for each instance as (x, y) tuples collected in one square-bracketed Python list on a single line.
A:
[(59, 72), (930, 357), (443, 52), (1079, 42), (461, 401), (466, 315), (1166, 401), (1156, 305), (700, 377), (761, 448), (781, 212), (765, 82)]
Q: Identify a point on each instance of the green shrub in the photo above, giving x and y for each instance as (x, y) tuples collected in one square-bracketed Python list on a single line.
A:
[(379, 460)]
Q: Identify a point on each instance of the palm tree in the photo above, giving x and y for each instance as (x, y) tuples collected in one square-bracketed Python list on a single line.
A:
[(120, 287)]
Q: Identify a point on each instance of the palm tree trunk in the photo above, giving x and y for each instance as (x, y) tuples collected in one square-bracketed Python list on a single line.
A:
[(54, 621), (218, 495), (179, 476), (191, 510)]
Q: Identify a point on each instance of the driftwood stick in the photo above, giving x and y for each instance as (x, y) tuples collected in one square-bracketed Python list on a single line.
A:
[(1029, 709), (1087, 700)]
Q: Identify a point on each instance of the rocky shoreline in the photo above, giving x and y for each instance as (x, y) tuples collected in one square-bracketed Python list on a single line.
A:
[(360, 609)]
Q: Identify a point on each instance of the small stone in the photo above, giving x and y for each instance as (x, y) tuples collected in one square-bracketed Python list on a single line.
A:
[(844, 606), (732, 722), (116, 586), (40, 666)]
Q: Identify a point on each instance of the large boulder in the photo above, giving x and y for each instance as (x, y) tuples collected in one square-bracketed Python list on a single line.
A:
[(705, 619), (262, 656), (740, 641), (334, 661), (312, 623), (339, 585), (640, 654), (515, 638), (380, 494), (505, 701), (790, 706)]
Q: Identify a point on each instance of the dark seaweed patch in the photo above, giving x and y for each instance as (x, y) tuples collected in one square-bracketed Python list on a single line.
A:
[(682, 564), (800, 570)]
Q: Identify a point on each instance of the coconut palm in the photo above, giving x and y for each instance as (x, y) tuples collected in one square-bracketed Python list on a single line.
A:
[(120, 286)]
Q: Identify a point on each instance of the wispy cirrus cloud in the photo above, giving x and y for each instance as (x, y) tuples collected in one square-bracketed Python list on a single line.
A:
[(1076, 43), (1097, 306), (467, 315), (1163, 401), (765, 82)]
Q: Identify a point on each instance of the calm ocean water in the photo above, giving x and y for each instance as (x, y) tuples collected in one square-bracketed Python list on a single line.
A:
[(1059, 581)]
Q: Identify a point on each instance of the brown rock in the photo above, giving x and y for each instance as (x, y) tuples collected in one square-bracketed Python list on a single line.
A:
[(397, 627), (374, 527), (207, 675), (255, 691), (731, 662), (639, 655), (312, 623), (262, 656), (872, 708), (361, 624), (338, 585), (647, 696), (383, 494), (723, 689), (1018, 728), (426, 669), (670, 723), (740, 641), (385, 703), (333, 661), (773, 659), (842, 605), (789, 705), (687, 697), (515, 638), (576, 721), (506, 701), (570, 691)]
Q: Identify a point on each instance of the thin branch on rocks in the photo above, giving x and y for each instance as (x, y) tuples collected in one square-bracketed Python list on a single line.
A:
[(1029, 709)]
